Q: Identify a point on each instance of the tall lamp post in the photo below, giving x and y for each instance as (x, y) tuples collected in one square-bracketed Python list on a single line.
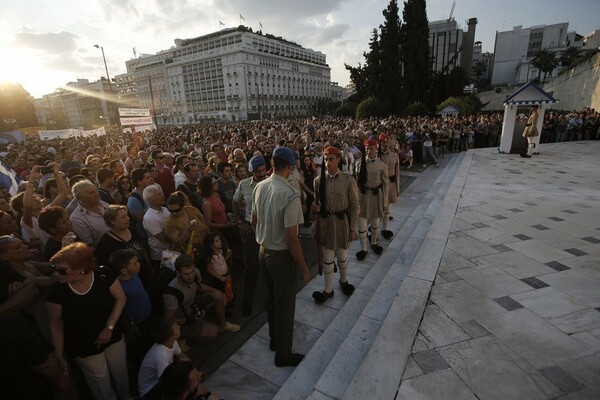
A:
[(107, 77)]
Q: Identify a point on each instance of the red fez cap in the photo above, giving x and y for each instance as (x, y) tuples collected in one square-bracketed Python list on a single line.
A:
[(332, 150), (370, 142), (384, 138)]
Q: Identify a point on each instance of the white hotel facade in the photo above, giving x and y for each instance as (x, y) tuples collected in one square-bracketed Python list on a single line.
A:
[(232, 74)]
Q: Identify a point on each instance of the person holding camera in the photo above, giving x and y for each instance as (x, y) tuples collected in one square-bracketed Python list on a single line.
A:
[(186, 299)]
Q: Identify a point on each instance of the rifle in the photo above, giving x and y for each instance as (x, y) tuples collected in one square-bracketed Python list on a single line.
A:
[(319, 248)]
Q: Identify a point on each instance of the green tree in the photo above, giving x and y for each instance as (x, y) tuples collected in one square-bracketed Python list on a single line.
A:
[(415, 50), (479, 68), (348, 109), (417, 109), (545, 62), (390, 58), (16, 107), (569, 56), (468, 104), (370, 107)]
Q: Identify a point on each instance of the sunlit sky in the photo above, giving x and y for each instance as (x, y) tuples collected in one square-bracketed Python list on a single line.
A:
[(44, 44)]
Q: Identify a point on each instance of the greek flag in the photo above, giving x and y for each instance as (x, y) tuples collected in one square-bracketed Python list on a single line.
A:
[(8, 178)]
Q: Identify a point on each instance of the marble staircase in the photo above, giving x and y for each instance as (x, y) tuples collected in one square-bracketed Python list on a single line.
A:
[(382, 316)]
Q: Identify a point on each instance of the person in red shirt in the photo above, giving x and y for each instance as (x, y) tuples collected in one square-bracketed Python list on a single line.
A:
[(164, 176)]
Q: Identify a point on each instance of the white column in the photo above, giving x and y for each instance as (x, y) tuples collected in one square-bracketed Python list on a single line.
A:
[(540, 123), (508, 128)]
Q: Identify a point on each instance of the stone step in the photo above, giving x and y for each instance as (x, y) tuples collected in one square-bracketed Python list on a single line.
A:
[(397, 330), (340, 371), (348, 324)]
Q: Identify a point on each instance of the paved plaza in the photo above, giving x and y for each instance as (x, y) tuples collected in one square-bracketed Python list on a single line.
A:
[(489, 289)]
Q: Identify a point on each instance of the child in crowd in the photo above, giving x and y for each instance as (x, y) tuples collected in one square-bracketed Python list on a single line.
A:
[(216, 265), (163, 352), (136, 314)]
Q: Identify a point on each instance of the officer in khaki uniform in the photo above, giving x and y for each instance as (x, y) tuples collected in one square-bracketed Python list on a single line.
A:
[(391, 159), (338, 209), (276, 214), (373, 185)]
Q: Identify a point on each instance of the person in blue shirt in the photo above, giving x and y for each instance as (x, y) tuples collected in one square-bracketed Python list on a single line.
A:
[(136, 314)]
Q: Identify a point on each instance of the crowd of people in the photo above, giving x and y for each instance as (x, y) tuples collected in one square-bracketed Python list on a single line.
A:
[(117, 251)]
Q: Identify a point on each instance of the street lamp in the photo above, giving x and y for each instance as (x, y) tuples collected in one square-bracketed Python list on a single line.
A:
[(107, 77), (105, 67)]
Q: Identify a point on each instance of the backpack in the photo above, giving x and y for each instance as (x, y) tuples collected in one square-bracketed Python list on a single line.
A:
[(161, 286)]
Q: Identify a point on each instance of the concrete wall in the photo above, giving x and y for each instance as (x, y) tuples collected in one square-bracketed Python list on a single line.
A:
[(577, 88)]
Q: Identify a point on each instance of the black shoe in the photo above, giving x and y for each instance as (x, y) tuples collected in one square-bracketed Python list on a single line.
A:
[(387, 234), (320, 297), (377, 248), (290, 361), (347, 288), (247, 310), (361, 255)]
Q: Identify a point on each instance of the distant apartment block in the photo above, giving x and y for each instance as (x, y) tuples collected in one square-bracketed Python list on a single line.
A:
[(450, 46), (514, 50)]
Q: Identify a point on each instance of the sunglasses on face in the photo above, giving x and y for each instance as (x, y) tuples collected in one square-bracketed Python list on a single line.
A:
[(175, 211)]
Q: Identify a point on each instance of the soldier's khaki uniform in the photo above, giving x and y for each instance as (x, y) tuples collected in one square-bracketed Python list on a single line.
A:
[(343, 207), (373, 201), (392, 162)]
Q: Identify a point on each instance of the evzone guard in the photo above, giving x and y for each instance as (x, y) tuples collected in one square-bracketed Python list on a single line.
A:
[(337, 208), (373, 185), (391, 159)]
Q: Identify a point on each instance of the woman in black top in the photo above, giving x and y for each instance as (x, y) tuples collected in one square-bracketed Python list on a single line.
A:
[(84, 308), (119, 237)]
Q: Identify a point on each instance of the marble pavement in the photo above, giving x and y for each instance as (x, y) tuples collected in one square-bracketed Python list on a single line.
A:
[(514, 312)]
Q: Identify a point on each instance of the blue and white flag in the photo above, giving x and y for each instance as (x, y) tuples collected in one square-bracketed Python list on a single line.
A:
[(8, 178)]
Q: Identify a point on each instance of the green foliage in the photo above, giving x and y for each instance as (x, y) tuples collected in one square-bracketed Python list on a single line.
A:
[(568, 57), (415, 48), (347, 109), (416, 109), (447, 84), (16, 107), (370, 107), (545, 61), (390, 82), (381, 74), (479, 68), (468, 104)]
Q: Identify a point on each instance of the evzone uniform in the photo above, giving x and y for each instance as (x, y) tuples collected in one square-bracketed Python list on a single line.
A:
[(373, 197), (338, 217), (392, 160)]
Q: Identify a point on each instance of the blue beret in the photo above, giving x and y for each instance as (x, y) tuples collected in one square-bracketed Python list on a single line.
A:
[(285, 154), (255, 162)]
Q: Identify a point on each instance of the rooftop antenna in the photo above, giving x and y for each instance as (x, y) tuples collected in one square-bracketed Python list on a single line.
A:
[(452, 11), (134, 53)]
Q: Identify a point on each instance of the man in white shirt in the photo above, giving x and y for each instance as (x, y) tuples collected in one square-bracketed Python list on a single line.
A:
[(154, 219)]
